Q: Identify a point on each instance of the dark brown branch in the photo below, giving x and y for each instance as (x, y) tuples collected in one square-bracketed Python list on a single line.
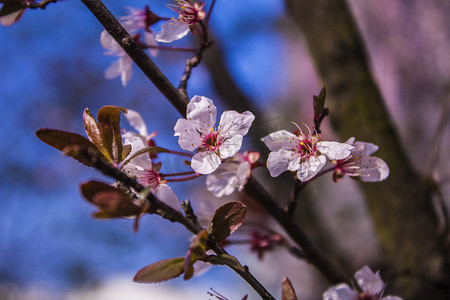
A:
[(43, 4), (137, 54)]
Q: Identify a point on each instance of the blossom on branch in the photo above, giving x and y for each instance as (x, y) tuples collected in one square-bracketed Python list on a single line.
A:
[(188, 16), (304, 153), (232, 174), (146, 173), (370, 284), (135, 20), (214, 143), (361, 163)]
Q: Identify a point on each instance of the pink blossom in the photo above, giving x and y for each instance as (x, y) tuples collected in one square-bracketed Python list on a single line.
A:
[(147, 174), (188, 15), (361, 163), (370, 284), (232, 174), (214, 144), (304, 153)]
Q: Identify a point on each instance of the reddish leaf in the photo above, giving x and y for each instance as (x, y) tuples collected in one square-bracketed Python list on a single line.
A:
[(94, 135), (11, 11), (227, 219), (161, 271), (288, 292), (112, 203), (319, 103), (108, 118), (71, 144)]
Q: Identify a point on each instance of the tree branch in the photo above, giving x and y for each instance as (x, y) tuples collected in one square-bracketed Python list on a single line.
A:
[(137, 54)]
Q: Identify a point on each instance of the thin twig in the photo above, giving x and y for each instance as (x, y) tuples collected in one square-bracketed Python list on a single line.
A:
[(43, 4)]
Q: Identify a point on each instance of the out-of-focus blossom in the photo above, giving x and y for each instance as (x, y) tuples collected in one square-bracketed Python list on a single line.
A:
[(370, 284), (133, 22), (213, 143), (232, 174), (147, 174), (361, 163), (188, 15), (304, 153)]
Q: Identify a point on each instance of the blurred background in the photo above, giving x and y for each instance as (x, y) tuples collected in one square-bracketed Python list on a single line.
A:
[(51, 68)]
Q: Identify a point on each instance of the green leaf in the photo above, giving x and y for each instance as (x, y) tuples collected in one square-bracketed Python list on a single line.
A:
[(197, 251), (161, 271), (126, 149), (319, 103), (108, 118), (112, 202), (94, 134), (225, 259), (288, 292), (71, 144), (227, 219)]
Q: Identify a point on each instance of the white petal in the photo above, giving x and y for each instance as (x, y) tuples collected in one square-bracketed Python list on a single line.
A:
[(372, 169), (223, 181), (282, 160), (108, 42), (350, 141), (228, 177), (126, 65), (150, 40), (166, 195), (281, 139), (136, 121), (202, 112), (205, 162), (369, 282), (340, 292), (309, 168), (230, 146), (364, 149), (11, 18), (391, 298), (171, 31), (335, 150), (232, 123), (189, 138)]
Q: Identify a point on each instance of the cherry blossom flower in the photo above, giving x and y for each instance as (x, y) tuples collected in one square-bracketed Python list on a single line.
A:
[(135, 20), (370, 284), (188, 15), (214, 143), (232, 174), (361, 163), (304, 153), (147, 174)]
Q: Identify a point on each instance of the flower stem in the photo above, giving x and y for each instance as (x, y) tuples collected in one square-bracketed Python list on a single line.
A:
[(179, 153), (184, 178), (177, 174), (209, 12)]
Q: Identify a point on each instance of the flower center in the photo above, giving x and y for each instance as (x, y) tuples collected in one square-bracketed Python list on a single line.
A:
[(306, 147), (211, 141), (151, 178), (189, 13)]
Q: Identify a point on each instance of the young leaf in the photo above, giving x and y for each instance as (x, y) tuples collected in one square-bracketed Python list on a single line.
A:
[(94, 135), (227, 219), (161, 271), (112, 202), (197, 251), (71, 144), (319, 103), (108, 118), (287, 290), (225, 259)]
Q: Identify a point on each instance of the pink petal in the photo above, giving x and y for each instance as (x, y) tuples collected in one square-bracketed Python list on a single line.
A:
[(136, 121), (232, 123), (205, 162), (189, 139), (282, 160), (309, 168), (166, 195), (202, 112), (369, 282), (171, 31), (281, 139), (230, 146), (334, 150), (340, 292)]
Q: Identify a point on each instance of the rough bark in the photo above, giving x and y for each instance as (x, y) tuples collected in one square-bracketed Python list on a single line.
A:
[(401, 206)]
